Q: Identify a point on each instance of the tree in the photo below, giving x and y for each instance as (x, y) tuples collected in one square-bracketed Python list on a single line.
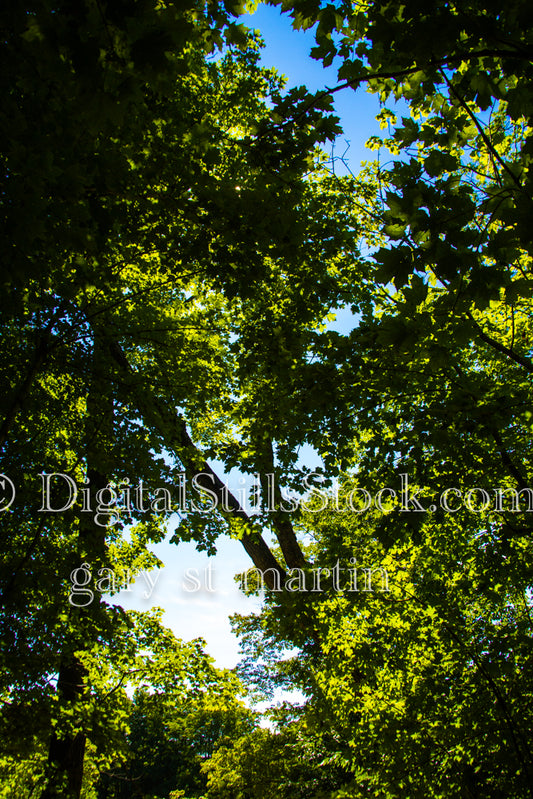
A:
[(412, 662), (425, 689), (121, 306), (170, 300), (169, 738), (290, 762), (140, 655)]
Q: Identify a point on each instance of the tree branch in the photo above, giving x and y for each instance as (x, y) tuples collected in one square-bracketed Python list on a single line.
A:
[(172, 428), (520, 359)]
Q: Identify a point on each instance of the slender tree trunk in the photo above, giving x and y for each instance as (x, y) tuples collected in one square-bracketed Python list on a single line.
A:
[(66, 749), (66, 752)]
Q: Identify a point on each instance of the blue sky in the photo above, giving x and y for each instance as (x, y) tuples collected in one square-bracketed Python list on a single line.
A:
[(288, 51), (204, 612)]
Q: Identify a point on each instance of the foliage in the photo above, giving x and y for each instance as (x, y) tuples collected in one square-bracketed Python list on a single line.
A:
[(170, 738), (123, 300), (289, 763), (426, 689), (174, 248), (142, 654), (418, 682)]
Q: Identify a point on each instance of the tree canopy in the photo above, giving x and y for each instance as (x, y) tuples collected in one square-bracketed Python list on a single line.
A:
[(175, 245)]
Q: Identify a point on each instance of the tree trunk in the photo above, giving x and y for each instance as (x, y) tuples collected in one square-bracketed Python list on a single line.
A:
[(66, 749), (66, 752)]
